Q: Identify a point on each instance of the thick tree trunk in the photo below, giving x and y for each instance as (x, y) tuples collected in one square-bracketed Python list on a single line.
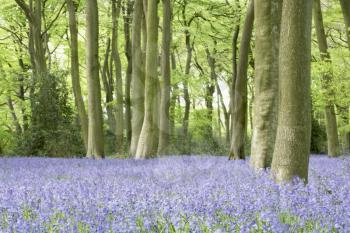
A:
[(79, 102), (138, 78), (95, 141), (331, 120), (119, 112), (164, 124), (128, 54), (292, 146), (145, 148), (240, 93), (268, 15)]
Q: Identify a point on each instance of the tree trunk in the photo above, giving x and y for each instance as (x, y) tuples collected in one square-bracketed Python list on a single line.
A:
[(145, 147), (95, 141), (138, 78), (108, 89), (210, 89), (345, 6), (164, 127), (128, 54), (331, 120), (240, 93), (186, 116), (14, 116), (174, 95), (292, 146), (119, 112), (268, 15), (79, 102)]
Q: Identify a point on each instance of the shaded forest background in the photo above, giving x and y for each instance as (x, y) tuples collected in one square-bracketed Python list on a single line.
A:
[(43, 83)]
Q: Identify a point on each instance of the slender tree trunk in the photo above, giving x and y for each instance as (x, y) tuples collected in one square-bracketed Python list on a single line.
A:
[(240, 92), (128, 54), (210, 89), (331, 120), (108, 88), (164, 127), (268, 15), (226, 113), (95, 141), (292, 146), (138, 78), (145, 148), (119, 112), (22, 93), (345, 6), (14, 116), (79, 102), (174, 95), (186, 116)]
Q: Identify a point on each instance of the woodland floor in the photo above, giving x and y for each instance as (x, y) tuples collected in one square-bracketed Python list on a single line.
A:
[(172, 194)]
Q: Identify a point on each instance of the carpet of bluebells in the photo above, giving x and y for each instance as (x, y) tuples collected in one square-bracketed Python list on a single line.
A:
[(172, 194)]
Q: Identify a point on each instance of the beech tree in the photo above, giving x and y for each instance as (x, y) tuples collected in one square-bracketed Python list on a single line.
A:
[(267, 23), (292, 146), (95, 135), (73, 28), (331, 120), (164, 126), (146, 145), (240, 93)]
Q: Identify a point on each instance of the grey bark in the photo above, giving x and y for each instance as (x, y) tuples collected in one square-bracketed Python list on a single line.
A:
[(145, 147), (95, 135), (292, 146), (138, 78), (108, 88), (331, 120), (240, 93), (78, 98), (267, 23), (119, 111), (164, 124), (128, 54)]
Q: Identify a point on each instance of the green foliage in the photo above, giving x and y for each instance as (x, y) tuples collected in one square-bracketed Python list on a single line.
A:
[(53, 130)]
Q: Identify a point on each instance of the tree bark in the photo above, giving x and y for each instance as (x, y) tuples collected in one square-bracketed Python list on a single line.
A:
[(268, 15), (240, 92), (331, 120), (210, 89), (95, 141), (345, 6), (128, 54), (164, 124), (79, 102), (186, 116), (138, 78), (292, 146), (14, 116), (145, 147), (108, 89), (119, 112)]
